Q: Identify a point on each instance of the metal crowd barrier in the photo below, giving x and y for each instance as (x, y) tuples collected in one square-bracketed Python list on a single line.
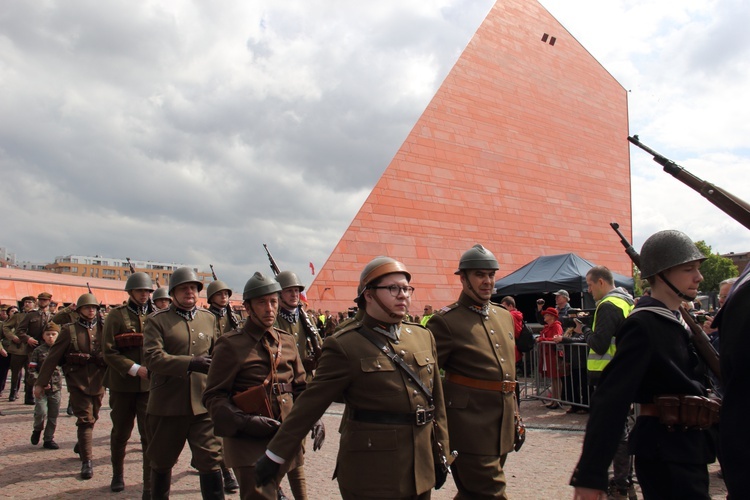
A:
[(555, 373)]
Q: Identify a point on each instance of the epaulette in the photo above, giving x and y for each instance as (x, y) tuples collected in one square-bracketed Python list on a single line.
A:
[(232, 333), (160, 311), (349, 327), (279, 330), (120, 306), (447, 308)]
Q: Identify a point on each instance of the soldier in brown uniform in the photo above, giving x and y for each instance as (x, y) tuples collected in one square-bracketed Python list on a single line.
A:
[(258, 355), (161, 298), (17, 348), (476, 348), (394, 438), (293, 320), (218, 294), (177, 345), (126, 377), (66, 315), (80, 345), (31, 332)]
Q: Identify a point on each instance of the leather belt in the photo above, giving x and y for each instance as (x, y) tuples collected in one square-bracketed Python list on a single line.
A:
[(421, 416), (503, 386), (648, 410), (281, 388)]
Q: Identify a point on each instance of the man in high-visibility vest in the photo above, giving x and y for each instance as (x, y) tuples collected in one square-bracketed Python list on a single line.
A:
[(612, 307)]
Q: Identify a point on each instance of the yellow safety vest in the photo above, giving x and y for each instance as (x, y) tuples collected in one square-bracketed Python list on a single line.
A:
[(596, 362)]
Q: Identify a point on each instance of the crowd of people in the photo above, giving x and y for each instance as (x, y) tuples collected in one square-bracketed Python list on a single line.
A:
[(424, 396)]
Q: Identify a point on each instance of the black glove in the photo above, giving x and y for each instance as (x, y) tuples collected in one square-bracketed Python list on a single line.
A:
[(265, 470), (318, 435), (199, 364), (441, 474), (260, 426)]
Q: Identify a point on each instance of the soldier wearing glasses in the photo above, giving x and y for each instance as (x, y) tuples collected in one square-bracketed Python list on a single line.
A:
[(394, 430), (476, 348)]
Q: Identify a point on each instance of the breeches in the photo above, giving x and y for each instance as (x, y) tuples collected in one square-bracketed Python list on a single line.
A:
[(479, 476), (167, 437)]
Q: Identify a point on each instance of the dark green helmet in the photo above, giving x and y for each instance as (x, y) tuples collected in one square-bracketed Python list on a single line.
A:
[(215, 287), (667, 249), (161, 293), (184, 275), (87, 299), (288, 279), (139, 281), (259, 285), (477, 257)]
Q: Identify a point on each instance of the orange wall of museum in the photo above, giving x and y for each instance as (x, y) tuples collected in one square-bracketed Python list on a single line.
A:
[(523, 149)]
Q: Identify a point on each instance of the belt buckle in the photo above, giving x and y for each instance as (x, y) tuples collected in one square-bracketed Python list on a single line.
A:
[(424, 415), (507, 386), (275, 389)]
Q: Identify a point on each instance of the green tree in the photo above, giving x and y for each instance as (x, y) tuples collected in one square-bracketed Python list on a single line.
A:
[(715, 268)]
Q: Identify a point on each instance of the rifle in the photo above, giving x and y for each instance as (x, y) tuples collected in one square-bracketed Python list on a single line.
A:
[(89, 287), (212, 272), (274, 267), (130, 265), (698, 337), (731, 205)]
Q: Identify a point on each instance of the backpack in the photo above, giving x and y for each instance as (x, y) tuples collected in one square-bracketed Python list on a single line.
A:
[(525, 341)]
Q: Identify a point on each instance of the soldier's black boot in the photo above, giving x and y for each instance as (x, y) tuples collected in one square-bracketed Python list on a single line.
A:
[(87, 469), (160, 484), (118, 480), (212, 485), (230, 483), (13, 396)]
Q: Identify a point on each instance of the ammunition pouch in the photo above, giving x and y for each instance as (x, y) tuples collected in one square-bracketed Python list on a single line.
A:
[(683, 412), (81, 358), (129, 340)]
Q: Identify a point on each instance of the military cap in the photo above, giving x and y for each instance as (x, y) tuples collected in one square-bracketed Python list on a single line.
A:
[(44, 296)]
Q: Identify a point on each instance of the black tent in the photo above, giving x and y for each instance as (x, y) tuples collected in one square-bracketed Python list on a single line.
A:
[(548, 274)]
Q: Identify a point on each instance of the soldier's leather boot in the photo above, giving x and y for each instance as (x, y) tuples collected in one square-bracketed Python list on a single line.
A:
[(230, 483), (13, 396), (87, 469), (160, 484), (118, 480), (212, 486), (280, 495)]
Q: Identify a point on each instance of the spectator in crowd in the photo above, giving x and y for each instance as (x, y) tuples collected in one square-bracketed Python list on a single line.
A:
[(562, 304), (576, 380), (551, 360), (47, 406), (509, 303), (427, 315)]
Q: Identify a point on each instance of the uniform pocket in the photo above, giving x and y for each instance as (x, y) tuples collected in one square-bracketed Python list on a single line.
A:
[(455, 399), (376, 364)]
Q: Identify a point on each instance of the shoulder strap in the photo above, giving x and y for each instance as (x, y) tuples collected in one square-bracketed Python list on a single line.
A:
[(397, 360)]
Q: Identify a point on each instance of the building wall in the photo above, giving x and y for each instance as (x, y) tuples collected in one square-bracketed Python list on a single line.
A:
[(523, 149)]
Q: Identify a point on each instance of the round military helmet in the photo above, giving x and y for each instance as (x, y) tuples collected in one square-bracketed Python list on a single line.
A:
[(378, 267), (184, 275), (139, 281), (288, 279), (259, 285), (87, 299), (477, 257), (161, 293), (667, 249), (217, 286)]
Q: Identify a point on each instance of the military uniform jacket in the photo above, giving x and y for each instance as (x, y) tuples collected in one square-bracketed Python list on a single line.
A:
[(222, 319), (374, 459), (119, 359), (240, 361), (9, 332), (481, 422), (36, 360), (169, 343), (654, 357), (32, 326), (87, 377)]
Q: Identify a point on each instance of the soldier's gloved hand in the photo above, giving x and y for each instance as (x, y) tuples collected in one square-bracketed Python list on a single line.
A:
[(200, 364), (265, 470), (260, 426), (441, 474), (318, 435)]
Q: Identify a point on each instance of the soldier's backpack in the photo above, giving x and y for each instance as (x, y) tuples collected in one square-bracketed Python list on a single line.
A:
[(525, 341)]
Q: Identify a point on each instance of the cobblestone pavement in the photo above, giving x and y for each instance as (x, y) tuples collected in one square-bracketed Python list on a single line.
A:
[(539, 471)]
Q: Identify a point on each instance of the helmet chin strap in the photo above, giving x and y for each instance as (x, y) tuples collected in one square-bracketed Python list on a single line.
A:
[(674, 288), (473, 292), (390, 313)]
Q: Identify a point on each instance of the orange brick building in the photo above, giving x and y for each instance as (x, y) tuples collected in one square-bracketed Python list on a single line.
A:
[(523, 148)]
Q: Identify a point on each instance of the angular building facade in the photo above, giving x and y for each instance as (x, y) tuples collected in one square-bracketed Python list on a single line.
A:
[(523, 149)]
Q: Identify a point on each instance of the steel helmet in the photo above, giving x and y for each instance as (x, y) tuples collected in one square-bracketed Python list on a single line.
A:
[(288, 279), (184, 275), (259, 285), (477, 257), (667, 249), (377, 267), (161, 293), (139, 281), (217, 286), (87, 299)]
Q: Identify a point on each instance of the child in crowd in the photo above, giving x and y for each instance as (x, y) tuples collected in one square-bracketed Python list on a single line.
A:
[(48, 405)]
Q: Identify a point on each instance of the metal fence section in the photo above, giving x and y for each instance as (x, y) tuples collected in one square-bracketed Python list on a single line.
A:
[(555, 373)]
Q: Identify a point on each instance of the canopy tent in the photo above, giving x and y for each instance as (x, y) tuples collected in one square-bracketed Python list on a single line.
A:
[(551, 273)]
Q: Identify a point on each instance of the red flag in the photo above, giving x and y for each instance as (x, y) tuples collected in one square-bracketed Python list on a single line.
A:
[(312, 268)]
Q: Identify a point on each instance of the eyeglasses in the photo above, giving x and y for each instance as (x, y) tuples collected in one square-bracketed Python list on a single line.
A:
[(395, 289)]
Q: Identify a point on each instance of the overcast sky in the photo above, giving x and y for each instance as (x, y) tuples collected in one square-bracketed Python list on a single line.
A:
[(194, 132)]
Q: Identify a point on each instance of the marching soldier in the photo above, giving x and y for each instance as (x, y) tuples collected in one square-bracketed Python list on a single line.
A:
[(218, 294), (161, 298), (80, 344), (18, 349), (66, 315), (31, 332), (126, 378), (476, 348), (177, 345), (386, 373), (256, 356)]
